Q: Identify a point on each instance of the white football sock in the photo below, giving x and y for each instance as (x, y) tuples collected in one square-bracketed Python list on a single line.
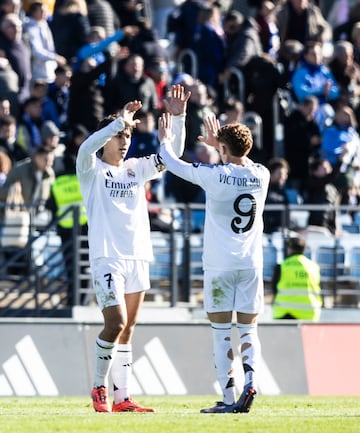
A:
[(223, 359), (121, 372), (104, 356), (250, 351)]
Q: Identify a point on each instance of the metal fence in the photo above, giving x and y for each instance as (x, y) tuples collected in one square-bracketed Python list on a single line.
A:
[(34, 282)]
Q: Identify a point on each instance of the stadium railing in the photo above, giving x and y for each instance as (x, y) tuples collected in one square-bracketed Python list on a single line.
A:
[(33, 280)]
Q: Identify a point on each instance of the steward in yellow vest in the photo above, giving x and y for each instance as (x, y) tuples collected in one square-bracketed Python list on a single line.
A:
[(66, 193), (297, 285)]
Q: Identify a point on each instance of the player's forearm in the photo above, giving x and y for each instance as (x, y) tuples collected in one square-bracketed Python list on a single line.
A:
[(88, 149), (173, 163), (178, 130)]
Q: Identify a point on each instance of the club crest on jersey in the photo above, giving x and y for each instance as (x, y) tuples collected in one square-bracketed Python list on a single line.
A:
[(130, 172), (160, 166)]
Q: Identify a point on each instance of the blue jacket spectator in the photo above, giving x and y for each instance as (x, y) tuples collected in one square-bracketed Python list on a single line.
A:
[(313, 78), (341, 139), (341, 146)]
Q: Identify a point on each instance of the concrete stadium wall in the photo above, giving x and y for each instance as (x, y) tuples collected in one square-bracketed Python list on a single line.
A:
[(55, 358)]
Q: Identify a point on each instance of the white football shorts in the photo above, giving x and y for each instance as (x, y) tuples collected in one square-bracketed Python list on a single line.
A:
[(113, 278), (239, 290)]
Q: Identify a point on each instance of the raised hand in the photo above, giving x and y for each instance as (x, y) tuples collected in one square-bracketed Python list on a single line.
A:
[(164, 128), (212, 126), (129, 111), (178, 100)]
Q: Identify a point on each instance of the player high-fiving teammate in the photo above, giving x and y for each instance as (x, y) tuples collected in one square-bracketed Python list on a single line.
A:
[(232, 257), (120, 249)]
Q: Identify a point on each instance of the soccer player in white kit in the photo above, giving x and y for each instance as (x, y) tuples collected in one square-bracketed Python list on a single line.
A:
[(119, 240), (232, 256)]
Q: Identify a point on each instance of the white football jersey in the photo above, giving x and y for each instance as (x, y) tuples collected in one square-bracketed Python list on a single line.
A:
[(115, 199), (235, 199)]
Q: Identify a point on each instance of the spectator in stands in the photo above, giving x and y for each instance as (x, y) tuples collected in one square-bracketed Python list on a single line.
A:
[(8, 140), (277, 220), (44, 58), (341, 136), (99, 47), (141, 38), (160, 13), (35, 175), (320, 190), (313, 77), (144, 140), (303, 21), (209, 45), (70, 27), (242, 42), (86, 99), (129, 84), (268, 29), (101, 14), (9, 85), (17, 52), (50, 135), (51, 140), (39, 90), (29, 124), (128, 11), (232, 111), (302, 139), (59, 93), (10, 7), (198, 110), (159, 71), (291, 56), (296, 284), (346, 73), (75, 136), (341, 145), (262, 80), (261, 77), (181, 24)]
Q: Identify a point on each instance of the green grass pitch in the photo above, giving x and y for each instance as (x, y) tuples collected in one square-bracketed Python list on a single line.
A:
[(175, 414)]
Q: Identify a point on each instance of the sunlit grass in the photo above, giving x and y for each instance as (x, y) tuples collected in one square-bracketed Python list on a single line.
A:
[(282, 414)]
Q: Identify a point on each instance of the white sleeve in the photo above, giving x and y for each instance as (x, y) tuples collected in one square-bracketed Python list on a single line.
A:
[(197, 174), (178, 130), (86, 157)]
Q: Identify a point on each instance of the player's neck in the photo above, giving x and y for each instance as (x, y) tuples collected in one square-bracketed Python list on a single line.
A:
[(237, 160), (112, 161)]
